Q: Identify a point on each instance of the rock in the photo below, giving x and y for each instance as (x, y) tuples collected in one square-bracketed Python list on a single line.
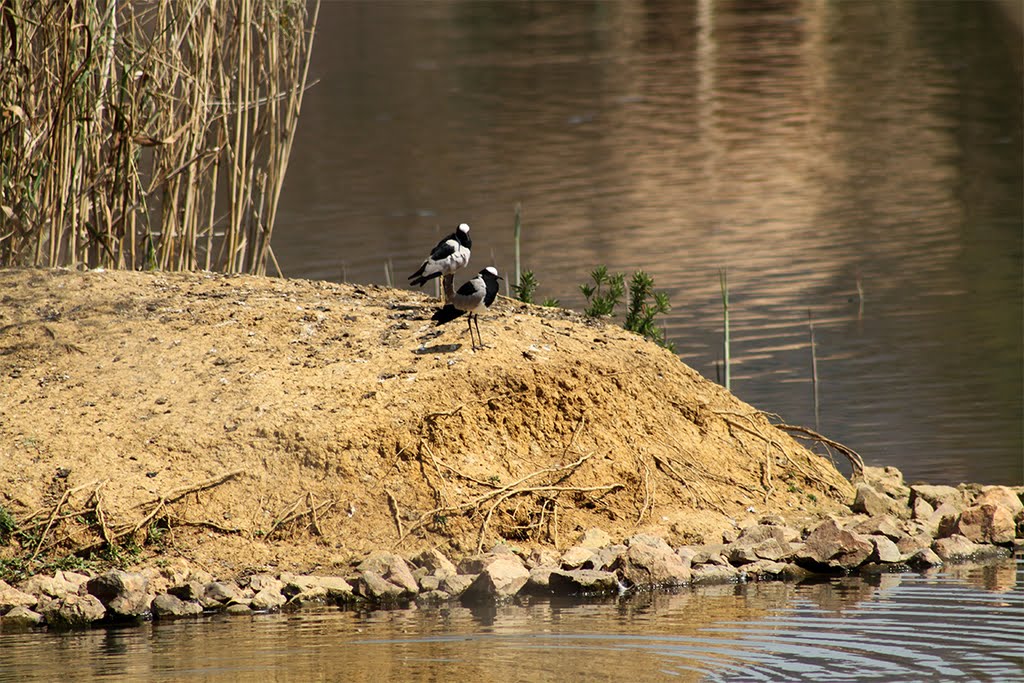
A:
[(987, 523), (937, 495), (433, 596), (758, 533), (583, 582), (871, 502), (604, 558), (73, 611), (43, 586), (888, 481), (909, 546), (456, 585), (190, 591), (651, 566), (268, 598), (921, 509), (429, 583), (264, 581), (574, 557), (237, 609), (435, 563), (925, 557), (20, 617), (765, 569), (885, 550), (501, 579), (12, 597), (1000, 495), (884, 525), (392, 568), (304, 588), (708, 574), (540, 580), (374, 586), (955, 547), (648, 540), (710, 554), (541, 557), (169, 606), (594, 539), (477, 563), (943, 520), (123, 594), (833, 547), (218, 593)]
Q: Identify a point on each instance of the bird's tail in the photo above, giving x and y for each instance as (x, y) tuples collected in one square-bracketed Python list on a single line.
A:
[(446, 314), (418, 279)]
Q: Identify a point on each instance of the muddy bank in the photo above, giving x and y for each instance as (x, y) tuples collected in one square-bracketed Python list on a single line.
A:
[(239, 426)]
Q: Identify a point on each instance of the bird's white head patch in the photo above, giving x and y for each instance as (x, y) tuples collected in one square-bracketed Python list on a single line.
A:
[(464, 227), (492, 270)]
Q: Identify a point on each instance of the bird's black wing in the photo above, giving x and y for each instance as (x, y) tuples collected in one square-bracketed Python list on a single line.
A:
[(471, 287), (492, 292), (444, 249)]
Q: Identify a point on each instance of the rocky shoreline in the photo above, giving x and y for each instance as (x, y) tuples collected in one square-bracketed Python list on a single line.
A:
[(891, 527)]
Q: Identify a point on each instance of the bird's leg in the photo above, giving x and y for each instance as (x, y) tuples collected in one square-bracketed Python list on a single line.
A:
[(476, 320), (469, 322)]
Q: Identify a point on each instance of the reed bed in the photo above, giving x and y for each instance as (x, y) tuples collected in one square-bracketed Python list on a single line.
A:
[(148, 134)]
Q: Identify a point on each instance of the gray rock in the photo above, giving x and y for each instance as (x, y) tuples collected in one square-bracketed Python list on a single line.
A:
[(541, 557), (302, 589), (651, 566), (477, 563), (605, 558), (73, 611), (268, 598), (828, 545), (433, 596), (709, 574), (574, 557), (501, 579), (871, 502), (710, 554), (888, 481), (955, 547), (765, 569), (456, 585), (937, 495), (987, 523), (169, 606), (594, 539), (372, 585), (43, 586), (11, 597), (123, 594), (758, 533), (925, 557), (264, 581), (20, 617), (648, 540), (221, 593), (392, 568), (435, 563), (190, 591), (430, 583), (337, 588), (539, 581), (583, 582), (943, 520), (885, 550), (237, 609), (911, 545)]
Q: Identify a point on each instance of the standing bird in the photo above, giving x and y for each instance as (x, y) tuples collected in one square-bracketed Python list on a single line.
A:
[(473, 297), (448, 256)]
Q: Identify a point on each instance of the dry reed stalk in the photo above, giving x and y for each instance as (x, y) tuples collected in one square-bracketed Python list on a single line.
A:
[(123, 124)]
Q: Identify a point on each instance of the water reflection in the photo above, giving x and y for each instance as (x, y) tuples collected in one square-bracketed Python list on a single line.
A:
[(807, 147), (961, 623)]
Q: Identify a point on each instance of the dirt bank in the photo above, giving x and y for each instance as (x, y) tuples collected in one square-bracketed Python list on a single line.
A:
[(245, 422)]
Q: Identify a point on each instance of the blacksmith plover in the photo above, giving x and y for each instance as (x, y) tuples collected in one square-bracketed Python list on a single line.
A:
[(473, 297), (448, 256)]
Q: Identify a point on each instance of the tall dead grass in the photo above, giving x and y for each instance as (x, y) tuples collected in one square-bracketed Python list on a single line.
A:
[(148, 134)]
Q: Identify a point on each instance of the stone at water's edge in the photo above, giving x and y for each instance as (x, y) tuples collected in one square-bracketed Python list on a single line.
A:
[(123, 594), (830, 546), (871, 502), (652, 565), (168, 606), (585, 581), (73, 611), (500, 579), (392, 568), (12, 597), (987, 523), (435, 563), (20, 618)]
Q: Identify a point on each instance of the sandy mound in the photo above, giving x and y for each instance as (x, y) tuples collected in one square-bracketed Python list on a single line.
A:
[(241, 421)]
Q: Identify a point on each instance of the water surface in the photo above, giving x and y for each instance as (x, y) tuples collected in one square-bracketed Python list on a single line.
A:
[(807, 147)]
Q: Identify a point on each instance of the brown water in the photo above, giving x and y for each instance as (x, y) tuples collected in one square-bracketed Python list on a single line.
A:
[(966, 623), (805, 146)]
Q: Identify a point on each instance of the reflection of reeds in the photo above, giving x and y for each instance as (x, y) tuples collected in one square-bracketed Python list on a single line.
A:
[(814, 372), (723, 283), (155, 134)]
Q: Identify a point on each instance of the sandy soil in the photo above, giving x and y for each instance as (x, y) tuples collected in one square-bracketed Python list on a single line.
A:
[(245, 422)]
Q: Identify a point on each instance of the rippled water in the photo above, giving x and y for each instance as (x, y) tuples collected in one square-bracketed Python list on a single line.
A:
[(963, 624), (805, 146)]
